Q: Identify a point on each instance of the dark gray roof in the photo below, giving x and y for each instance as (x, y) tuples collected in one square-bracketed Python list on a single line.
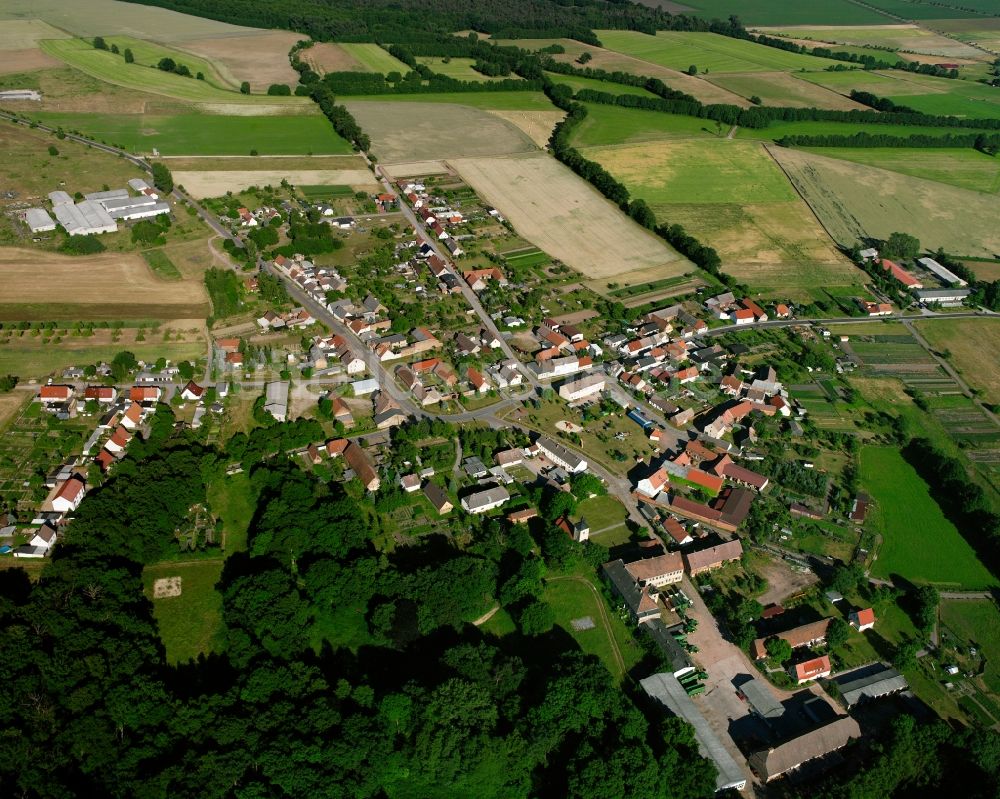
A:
[(870, 683), (667, 689), (761, 698)]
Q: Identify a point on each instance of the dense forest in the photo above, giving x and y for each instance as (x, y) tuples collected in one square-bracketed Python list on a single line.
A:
[(428, 707)]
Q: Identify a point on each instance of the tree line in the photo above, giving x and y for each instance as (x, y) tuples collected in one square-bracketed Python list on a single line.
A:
[(422, 702), (562, 97), (862, 139)]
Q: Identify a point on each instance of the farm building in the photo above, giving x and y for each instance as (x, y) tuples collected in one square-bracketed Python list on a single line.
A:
[(901, 274), (59, 197), (797, 637), (667, 689), (817, 743), (713, 557), (945, 274), (871, 682), (942, 296), (761, 698), (141, 207), (110, 194), (38, 220), (20, 94), (276, 399), (85, 218)]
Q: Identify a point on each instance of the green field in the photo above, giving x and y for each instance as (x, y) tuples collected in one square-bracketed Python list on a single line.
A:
[(325, 192), (777, 130), (783, 89), (608, 124), (573, 598), (190, 624), (578, 83), (33, 359), (709, 52), (160, 263), (457, 68), (602, 512), (965, 168), (697, 171), (918, 542), (374, 58), (969, 101), (977, 622), (789, 12), (207, 134), (148, 54), (943, 9), (487, 101), (112, 69)]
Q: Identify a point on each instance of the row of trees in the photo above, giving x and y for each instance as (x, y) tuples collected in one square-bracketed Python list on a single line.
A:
[(675, 235), (979, 141), (342, 120)]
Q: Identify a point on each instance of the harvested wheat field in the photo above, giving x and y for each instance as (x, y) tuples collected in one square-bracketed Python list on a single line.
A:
[(326, 57), (203, 184), (20, 34), (414, 131), (563, 215), (537, 124), (257, 163), (785, 90), (13, 62), (856, 201), (260, 58), (414, 169), (107, 286)]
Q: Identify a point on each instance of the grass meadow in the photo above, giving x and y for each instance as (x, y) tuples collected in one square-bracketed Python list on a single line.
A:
[(785, 90), (709, 52), (965, 168), (148, 54), (977, 623), (918, 542), (190, 624), (207, 134), (486, 101), (374, 58), (607, 125), (112, 68), (577, 84), (457, 68)]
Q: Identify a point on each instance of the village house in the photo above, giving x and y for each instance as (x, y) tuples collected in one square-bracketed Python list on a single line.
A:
[(484, 501), (438, 498), (132, 416), (192, 391), (862, 620), (52, 394), (69, 495), (359, 463), (815, 669), (119, 440), (713, 557), (103, 394), (797, 637), (145, 393)]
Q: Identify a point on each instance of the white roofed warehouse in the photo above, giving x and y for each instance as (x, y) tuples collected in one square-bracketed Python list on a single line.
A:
[(38, 220)]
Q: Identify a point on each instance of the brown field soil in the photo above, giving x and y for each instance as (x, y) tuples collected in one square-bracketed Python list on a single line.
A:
[(432, 131), (564, 216), (655, 296), (260, 58), (854, 201), (973, 344), (785, 90), (216, 183), (29, 170), (328, 57), (537, 124), (776, 248), (20, 34), (110, 18), (253, 163), (11, 402), (92, 284), (17, 61), (898, 37), (396, 171)]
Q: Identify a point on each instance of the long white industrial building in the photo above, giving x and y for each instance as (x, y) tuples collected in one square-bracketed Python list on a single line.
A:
[(84, 218)]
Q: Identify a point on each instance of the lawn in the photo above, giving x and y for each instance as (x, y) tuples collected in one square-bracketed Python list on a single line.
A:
[(160, 263), (607, 125), (374, 58), (232, 500), (977, 622), (577, 84), (207, 134), (112, 68), (574, 598), (969, 101), (602, 512), (919, 543), (789, 12), (709, 52), (457, 68), (190, 624), (965, 168)]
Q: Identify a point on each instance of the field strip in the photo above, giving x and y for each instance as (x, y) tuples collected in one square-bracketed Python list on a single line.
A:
[(215, 183), (564, 216)]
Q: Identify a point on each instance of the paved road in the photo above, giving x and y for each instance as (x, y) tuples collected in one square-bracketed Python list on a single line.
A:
[(467, 292)]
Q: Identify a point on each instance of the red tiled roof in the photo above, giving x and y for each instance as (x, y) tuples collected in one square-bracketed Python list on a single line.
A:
[(866, 616), (812, 669)]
